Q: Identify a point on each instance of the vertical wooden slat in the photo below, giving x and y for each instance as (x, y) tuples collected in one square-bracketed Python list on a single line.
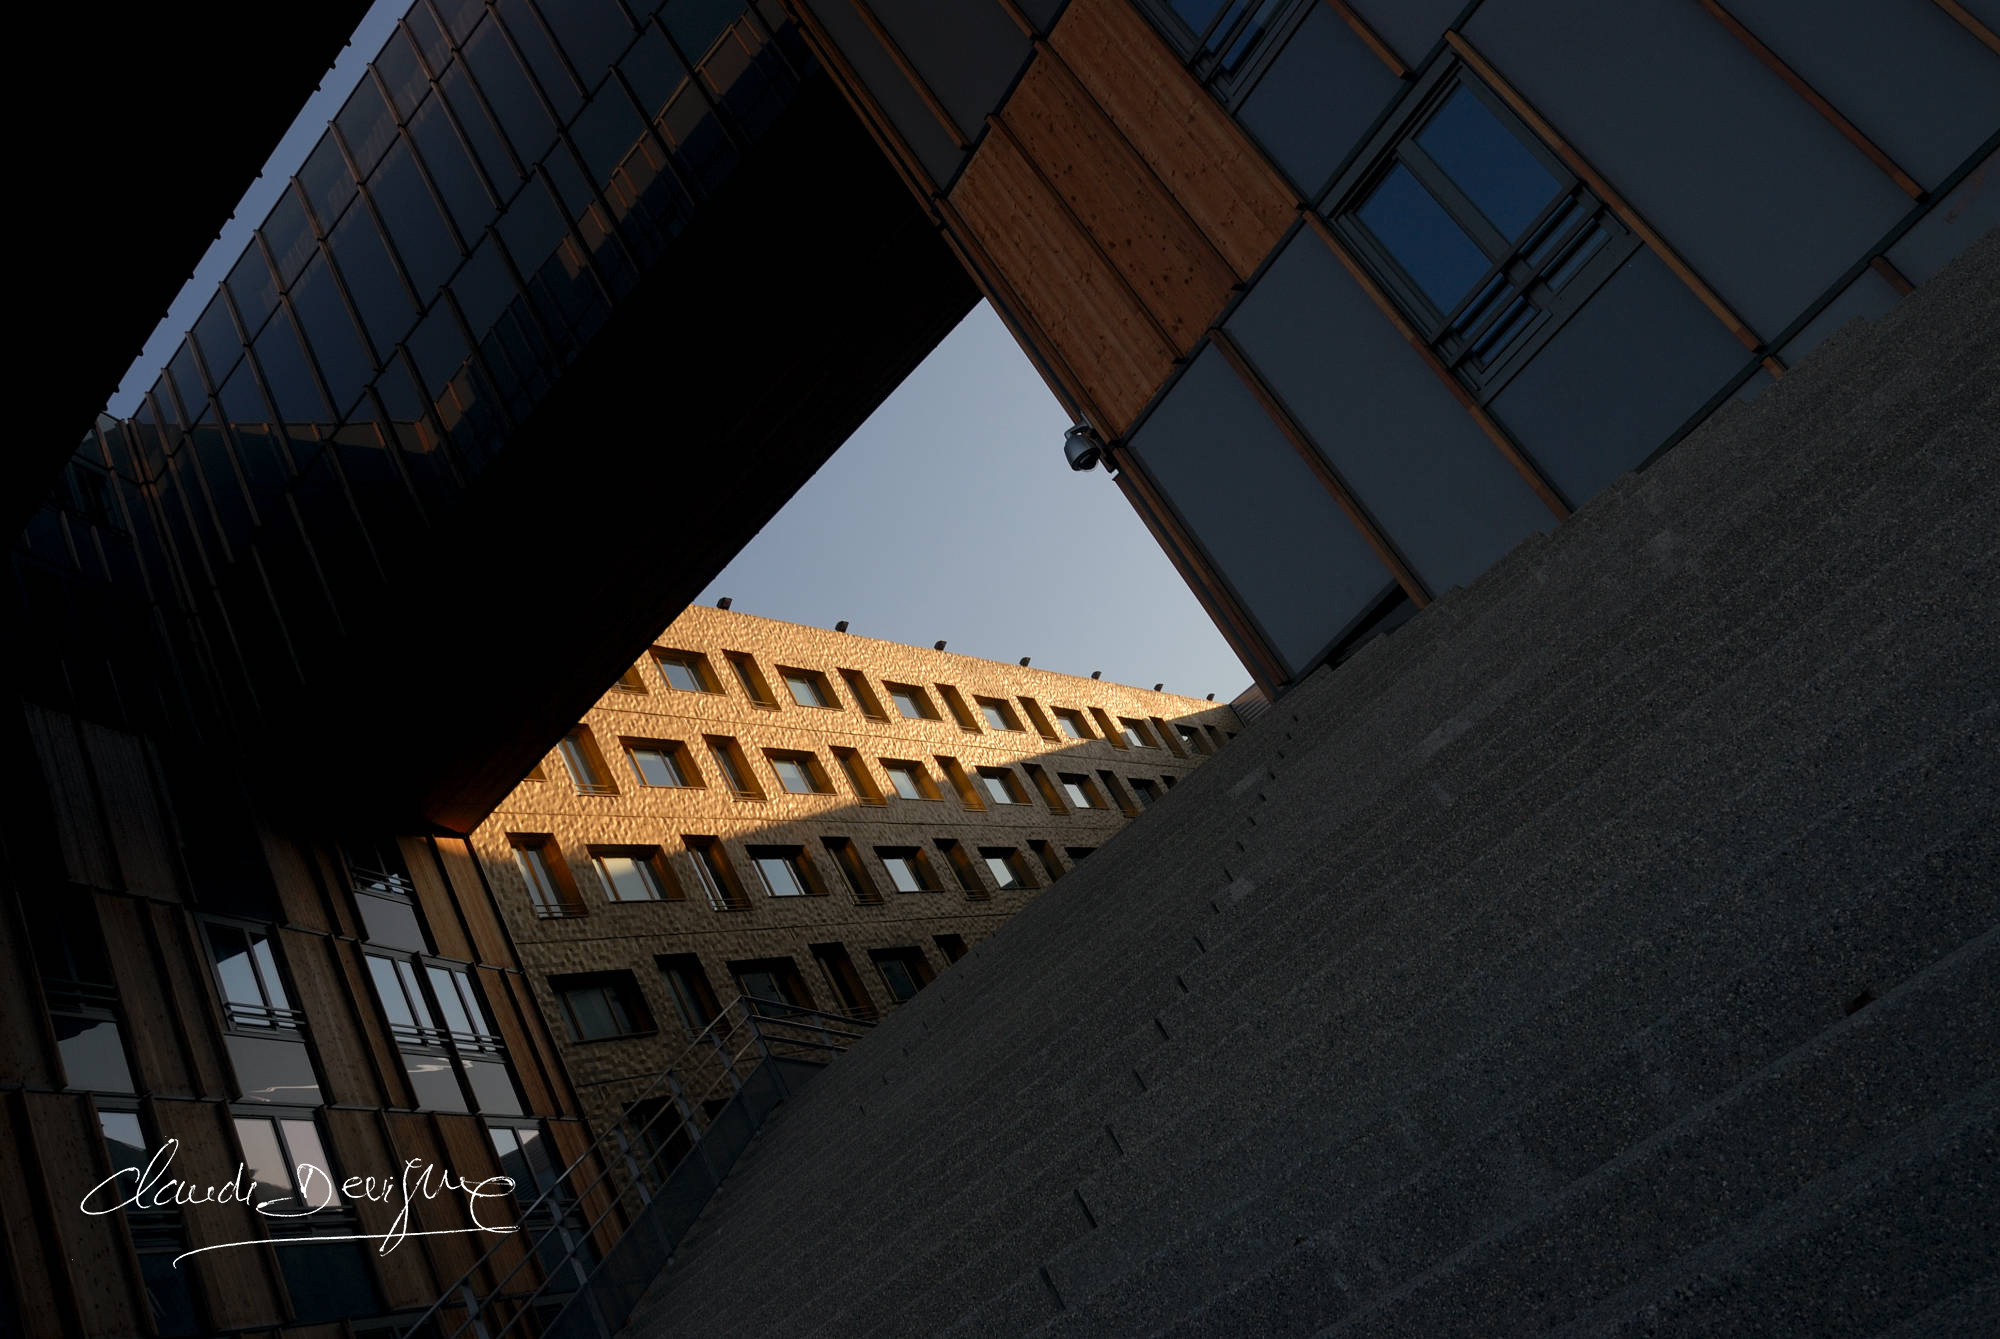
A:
[(336, 1031), (242, 1283), (360, 1149), (1964, 18), (150, 1016), (1369, 37)]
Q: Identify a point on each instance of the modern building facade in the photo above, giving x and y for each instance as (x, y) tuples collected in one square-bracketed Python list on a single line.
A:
[(808, 817), (1351, 296), (1427, 276)]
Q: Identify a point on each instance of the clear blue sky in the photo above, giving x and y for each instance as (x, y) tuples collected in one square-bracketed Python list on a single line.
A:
[(949, 514), (952, 514)]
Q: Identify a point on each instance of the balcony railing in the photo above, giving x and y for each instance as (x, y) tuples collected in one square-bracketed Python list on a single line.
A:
[(586, 1249)]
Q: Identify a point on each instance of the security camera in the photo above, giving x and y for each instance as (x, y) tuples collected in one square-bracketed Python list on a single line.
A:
[(1082, 448)]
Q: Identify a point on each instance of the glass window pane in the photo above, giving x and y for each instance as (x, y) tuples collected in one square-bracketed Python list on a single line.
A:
[(656, 767), (288, 235), (903, 873), (626, 879), (407, 974), (1002, 872), (444, 157), (805, 691), (366, 125), (509, 93), (327, 183), (680, 674), (318, 1187), (428, 251), (389, 989), (908, 703), (287, 374), (330, 332), (262, 1156), (232, 964), (1494, 169), (372, 280), (897, 974), (267, 968), (124, 1141), (93, 1053), (781, 876), (793, 776), (444, 984), (590, 1010), (396, 65), (474, 124), (251, 285), (1434, 251)]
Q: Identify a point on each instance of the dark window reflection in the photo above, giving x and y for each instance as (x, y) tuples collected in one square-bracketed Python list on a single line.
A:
[(428, 251), (1416, 230), (1496, 171), (445, 158), (93, 1053)]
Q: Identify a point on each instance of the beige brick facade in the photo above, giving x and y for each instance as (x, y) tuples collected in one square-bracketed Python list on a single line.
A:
[(619, 813)]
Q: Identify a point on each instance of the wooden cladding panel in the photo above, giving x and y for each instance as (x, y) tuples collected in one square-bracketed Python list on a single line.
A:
[(1227, 187), (536, 1026), (86, 846), (53, 1146), (34, 1274), (468, 888), (469, 1153), (415, 1136), (1179, 128), (1120, 202), (572, 1140), (299, 893), (152, 1020), (184, 974), (336, 1034), (25, 1045), (1099, 329), (361, 1149), (241, 1283), (142, 841), (520, 1043), (435, 899)]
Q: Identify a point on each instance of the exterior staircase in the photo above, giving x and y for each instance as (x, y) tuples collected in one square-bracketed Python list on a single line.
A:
[(1614, 948)]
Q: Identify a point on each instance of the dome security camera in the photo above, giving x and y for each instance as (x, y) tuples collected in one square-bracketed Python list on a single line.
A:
[(1081, 447)]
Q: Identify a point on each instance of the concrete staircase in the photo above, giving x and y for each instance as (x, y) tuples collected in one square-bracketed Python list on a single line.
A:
[(1611, 949)]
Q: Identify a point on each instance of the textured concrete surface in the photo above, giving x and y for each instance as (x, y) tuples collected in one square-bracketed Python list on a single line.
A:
[(1610, 950)]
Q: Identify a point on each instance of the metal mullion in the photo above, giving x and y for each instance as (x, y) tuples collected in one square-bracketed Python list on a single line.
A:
[(1455, 202), (563, 57)]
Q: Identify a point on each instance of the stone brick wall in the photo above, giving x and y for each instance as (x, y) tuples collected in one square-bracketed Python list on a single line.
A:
[(631, 935)]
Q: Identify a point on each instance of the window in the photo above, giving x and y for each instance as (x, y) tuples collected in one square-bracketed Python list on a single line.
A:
[(1483, 238), (998, 714), (798, 773), (909, 871), (598, 1006), (253, 992), (955, 703), (1146, 792), (286, 1157), (735, 770), (1219, 38), (376, 865), (864, 696), (1107, 730), (1072, 724), (1000, 786), (633, 873), (952, 946), (909, 779), (1119, 795), (712, 872), (913, 702), (903, 971), (849, 860), (686, 671), (809, 688), (1045, 788), (961, 784), (783, 869), (402, 997), (541, 866), (772, 981), (157, 1234), (694, 999), (1008, 869), (1191, 736), (661, 762), (630, 681), (752, 678), (1038, 717), (1135, 733), (75, 968), (843, 980), (1046, 853), (856, 772), (1166, 737), (962, 868), (1081, 790), (586, 766)]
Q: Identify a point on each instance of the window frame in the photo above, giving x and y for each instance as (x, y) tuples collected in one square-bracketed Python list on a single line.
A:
[(694, 662), (649, 861), (673, 753), (617, 982), (926, 709), (820, 686), (919, 866)]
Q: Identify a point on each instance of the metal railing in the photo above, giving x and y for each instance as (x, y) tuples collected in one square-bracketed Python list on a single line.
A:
[(584, 1250)]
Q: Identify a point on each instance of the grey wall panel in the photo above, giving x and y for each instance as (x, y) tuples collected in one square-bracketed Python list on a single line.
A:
[(1626, 371), (895, 94), (1986, 11), (1953, 223), (1914, 80), (1444, 494), (1317, 98), (1751, 185), (968, 51), (1277, 536), (1412, 27)]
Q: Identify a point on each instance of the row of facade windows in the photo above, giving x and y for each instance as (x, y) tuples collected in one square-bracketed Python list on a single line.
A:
[(694, 672), (670, 764), (725, 880), (610, 1005)]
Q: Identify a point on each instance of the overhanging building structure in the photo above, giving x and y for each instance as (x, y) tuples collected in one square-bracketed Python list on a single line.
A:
[(1353, 298)]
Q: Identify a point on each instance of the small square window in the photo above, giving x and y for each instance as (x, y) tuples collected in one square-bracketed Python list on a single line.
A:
[(1191, 736), (913, 702), (585, 765), (1081, 790), (661, 762), (998, 713), (631, 873), (630, 682), (798, 773), (1135, 732), (1008, 869), (597, 1006), (783, 869), (908, 871), (909, 780), (728, 755), (809, 688), (751, 678), (1000, 786), (1072, 724), (903, 970), (685, 671), (1148, 792), (541, 867)]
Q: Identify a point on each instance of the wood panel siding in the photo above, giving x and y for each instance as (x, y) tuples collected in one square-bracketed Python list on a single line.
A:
[(242, 1284), (142, 837), (1077, 298), (360, 1148), (155, 1027), (572, 1140), (434, 899), (475, 902), (415, 1136), (337, 1034), (82, 1262), (301, 895), (521, 1050), (183, 967), (1227, 187), (80, 831), (535, 1026), (1156, 246), (27, 1047)]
